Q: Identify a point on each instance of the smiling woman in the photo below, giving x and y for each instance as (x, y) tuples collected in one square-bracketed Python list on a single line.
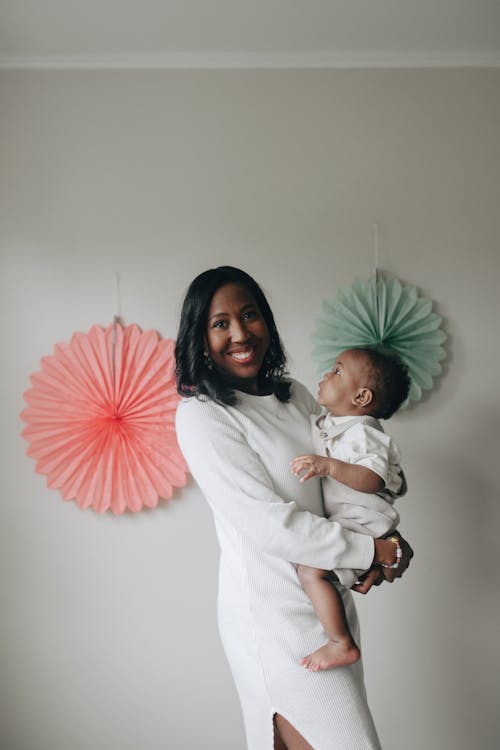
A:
[(241, 422), (228, 340)]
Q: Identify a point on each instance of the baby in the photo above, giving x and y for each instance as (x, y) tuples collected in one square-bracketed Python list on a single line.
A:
[(361, 464)]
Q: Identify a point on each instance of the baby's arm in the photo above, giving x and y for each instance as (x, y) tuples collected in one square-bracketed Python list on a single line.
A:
[(353, 475)]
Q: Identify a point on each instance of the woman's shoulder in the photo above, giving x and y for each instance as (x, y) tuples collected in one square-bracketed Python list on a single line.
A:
[(197, 407), (206, 416)]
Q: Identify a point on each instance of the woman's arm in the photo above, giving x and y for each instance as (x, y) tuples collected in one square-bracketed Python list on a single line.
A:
[(240, 491)]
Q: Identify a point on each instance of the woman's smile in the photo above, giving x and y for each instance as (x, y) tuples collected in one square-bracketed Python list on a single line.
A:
[(243, 355)]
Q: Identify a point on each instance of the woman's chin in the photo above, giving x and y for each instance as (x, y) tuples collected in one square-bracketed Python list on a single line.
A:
[(244, 371)]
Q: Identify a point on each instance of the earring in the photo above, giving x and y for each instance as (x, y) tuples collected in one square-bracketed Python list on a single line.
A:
[(208, 361)]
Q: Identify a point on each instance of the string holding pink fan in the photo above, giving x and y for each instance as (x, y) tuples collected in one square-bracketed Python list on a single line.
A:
[(100, 419)]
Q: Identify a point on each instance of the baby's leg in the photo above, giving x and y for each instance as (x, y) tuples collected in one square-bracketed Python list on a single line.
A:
[(327, 602)]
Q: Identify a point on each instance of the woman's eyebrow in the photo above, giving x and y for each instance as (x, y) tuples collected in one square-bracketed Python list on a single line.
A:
[(226, 314), (218, 315)]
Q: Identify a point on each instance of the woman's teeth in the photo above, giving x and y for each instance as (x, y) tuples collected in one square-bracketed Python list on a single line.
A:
[(242, 356)]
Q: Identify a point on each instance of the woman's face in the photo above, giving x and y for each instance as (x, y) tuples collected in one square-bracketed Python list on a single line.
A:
[(237, 336)]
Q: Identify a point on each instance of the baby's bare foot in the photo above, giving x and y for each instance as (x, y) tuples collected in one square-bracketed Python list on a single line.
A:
[(332, 654)]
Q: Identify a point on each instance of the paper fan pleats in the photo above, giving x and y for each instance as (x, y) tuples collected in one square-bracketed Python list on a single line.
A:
[(382, 313), (100, 419)]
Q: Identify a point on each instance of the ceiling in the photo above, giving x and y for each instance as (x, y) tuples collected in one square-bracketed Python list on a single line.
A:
[(248, 33)]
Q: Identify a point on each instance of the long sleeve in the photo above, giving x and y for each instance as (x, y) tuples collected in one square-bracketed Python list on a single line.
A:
[(240, 492)]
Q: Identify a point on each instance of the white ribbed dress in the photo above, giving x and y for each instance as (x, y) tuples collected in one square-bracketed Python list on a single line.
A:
[(266, 520)]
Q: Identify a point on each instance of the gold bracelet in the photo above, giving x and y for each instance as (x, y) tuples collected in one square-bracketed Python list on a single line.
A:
[(399, 553)]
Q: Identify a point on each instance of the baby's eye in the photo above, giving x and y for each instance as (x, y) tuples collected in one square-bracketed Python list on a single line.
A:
[(336, 371)]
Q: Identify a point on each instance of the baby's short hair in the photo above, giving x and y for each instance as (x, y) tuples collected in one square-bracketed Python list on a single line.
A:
[(388, 380)]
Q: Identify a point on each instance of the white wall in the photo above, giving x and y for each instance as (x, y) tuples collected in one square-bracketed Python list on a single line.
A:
[(108, 624)]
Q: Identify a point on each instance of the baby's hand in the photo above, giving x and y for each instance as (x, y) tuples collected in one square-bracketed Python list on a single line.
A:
[(313, 466)]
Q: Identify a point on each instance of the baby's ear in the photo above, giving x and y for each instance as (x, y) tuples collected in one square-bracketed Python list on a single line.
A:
[(363, 397)]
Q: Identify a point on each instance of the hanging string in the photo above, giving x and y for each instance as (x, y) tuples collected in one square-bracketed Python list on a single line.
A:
[(376, 270), (375, 250), (116, 321), (118, 313)]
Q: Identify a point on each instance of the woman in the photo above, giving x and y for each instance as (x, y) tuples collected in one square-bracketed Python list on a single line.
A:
[(239, 425)]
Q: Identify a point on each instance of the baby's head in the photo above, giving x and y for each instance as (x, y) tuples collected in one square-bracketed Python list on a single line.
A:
[(364, 382)]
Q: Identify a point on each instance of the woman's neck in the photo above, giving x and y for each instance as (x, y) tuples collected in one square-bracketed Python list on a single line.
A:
[(251, 386)]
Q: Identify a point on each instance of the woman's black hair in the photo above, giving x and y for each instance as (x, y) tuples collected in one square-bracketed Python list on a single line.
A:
[(192, 371)]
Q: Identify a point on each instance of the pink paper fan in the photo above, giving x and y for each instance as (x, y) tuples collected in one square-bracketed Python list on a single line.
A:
[(100, 419)]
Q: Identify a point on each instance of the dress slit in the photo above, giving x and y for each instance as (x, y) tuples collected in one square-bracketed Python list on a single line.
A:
[(278, 742), (294, 726)]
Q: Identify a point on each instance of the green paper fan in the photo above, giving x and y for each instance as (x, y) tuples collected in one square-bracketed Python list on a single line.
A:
[(384, 314)]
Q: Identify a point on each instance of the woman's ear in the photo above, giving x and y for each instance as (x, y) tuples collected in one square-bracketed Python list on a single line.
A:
[(363, 397)]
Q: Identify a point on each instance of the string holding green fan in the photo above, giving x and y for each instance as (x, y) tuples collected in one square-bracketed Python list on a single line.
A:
[(382, 313)]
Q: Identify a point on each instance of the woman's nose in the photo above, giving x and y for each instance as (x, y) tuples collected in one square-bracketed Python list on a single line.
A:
[(239, 332)]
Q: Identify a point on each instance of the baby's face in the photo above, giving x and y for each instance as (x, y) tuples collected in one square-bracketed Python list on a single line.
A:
[(339, 387)]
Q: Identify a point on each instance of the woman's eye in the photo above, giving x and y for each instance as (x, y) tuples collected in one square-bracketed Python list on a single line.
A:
[(219, 324), (249, 314)]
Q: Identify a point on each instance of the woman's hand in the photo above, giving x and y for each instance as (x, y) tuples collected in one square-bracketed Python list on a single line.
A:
[(372, 577), (385, 553)]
